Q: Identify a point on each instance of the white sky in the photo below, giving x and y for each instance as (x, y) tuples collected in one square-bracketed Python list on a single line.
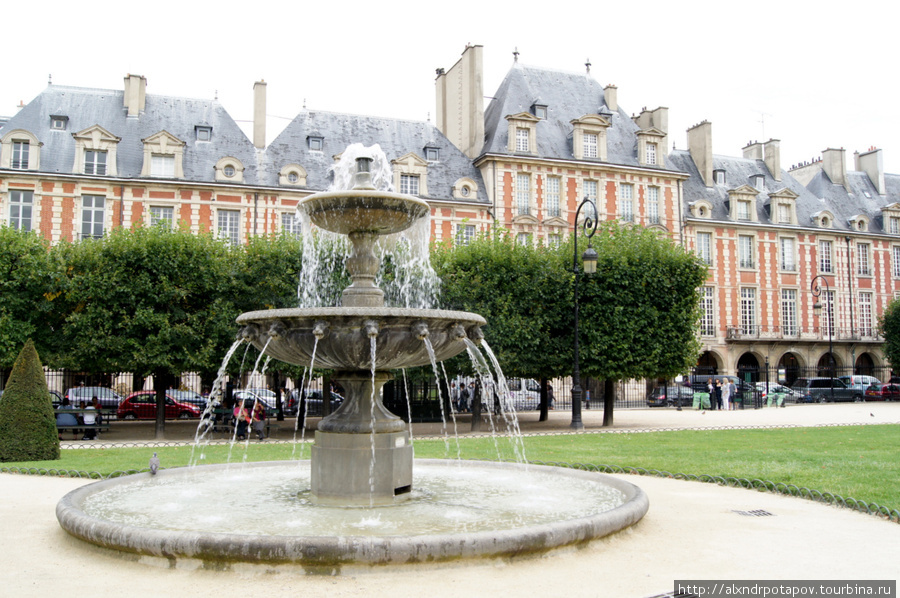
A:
[(812, 74)]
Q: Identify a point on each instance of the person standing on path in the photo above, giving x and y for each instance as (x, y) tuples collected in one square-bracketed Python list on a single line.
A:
[(718, 396), (726, 395)]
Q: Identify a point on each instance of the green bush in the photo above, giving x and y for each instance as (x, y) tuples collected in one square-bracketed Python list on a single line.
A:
[(27, 421)]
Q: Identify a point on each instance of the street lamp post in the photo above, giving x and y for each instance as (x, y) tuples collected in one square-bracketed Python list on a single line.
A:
[(817, 308), (589, 257)]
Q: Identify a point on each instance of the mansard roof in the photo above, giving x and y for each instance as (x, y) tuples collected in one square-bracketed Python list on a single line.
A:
[(397, 138), (861, 198), (87, 107), (568, 97)]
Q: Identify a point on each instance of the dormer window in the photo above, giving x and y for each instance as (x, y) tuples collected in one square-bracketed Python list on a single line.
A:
[(522, 133), (432, 154), (742, 204), (20, 151), (823, 219), (651, 154), (859, 223), (758, 182), (292, 174), (163, 155), (316, 144), (229, 169), (783, 206), (409, 184), (590, 145), (95, 151), (540, 111), (411, 175), (59, 123), (719, 177), (203, 133), (701, 209), (648, 143), (589, 137), (522, 144)]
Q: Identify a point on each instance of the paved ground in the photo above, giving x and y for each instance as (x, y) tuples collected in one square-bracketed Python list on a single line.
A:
[(692, 531)]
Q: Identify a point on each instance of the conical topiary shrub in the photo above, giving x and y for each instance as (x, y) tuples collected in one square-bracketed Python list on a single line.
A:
[(27, 421)]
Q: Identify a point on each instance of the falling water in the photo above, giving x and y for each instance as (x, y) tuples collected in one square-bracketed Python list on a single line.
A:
[(408, 405), (207, 418), (452, 414), (304, 386), (507, 407), (437, 377), (372, 340), (487, 386)]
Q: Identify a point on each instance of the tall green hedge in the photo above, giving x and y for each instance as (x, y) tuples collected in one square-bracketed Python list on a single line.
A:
[(27, 421)]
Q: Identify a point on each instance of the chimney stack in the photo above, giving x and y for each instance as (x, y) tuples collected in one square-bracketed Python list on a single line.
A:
[(135, 94), (611, 94), (872, 163), (773, 158), (460, 102), (753, 151), (835, 166), (259, 114), (699, 140)]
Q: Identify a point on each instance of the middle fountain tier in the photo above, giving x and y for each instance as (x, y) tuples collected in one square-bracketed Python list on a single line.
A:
[(362, 453)]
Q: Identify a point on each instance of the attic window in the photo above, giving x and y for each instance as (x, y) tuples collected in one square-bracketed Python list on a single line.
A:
[(432, 154), (316, 143), (719, 177), (59, 123), (203, 133), (759, 182), (540, 111)]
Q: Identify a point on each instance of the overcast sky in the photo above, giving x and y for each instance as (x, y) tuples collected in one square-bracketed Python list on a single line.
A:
[(814, 75)]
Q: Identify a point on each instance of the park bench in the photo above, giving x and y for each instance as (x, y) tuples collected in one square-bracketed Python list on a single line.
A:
[(102, 425)]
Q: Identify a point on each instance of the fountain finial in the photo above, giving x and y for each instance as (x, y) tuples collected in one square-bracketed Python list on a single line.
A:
[(364, 174)]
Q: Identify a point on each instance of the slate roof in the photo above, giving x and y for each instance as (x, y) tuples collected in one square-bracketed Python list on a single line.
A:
[(87, 107), (568, 96), (862, 198), (396, 138)]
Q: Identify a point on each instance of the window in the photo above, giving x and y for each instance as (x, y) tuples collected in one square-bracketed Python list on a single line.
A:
[(825, 257), (748, 310), (94, 162), (554, 240), (92, 208), (862, 259), (759, 182), (745, 251), (540, 111), (162, 216), (523, 194), (162, 165), (204, 133), (704, 247), (20, 155), (894, 226), (58, 123), (590, 145), (20, 205), (784, 214), (465, 233), (789, 311), (653, 205), (293, 177), (522, 140), (707, 306), (229, 222), (290, 224), (524, 238), (316, 143), (719, 177), (409, 184), (828, 313), (865, 314), (590, 191), (743, 210), (787, 254), (896, 268), (626, 202), (651, 154), (228, 171), (553, 196), (432, 154)]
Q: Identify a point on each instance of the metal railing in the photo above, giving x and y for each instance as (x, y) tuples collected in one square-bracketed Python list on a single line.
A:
[(814, 333)]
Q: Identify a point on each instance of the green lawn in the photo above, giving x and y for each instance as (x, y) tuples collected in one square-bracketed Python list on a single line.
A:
[(862, 462)]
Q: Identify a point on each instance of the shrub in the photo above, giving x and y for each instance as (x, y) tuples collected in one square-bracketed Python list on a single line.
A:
[(27, 421)]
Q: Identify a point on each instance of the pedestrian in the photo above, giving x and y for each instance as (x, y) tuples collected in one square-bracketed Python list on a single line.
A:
[(259, 421), (454, 397), (587, 399), (241, 420), (732, 391), (550, 398), (718, 390), (726, 395), (89, 418)]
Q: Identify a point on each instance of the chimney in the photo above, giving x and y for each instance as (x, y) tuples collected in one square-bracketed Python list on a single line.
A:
[(611, 94), (835, 166), (135, 94), (459, 95), (753, 151), (660, 119), (773, 158), (872, 163), (699, 140), (259, 114)]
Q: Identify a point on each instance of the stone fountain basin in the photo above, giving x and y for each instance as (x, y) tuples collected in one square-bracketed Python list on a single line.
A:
[(193, 544), (367, 211), (346, 344)]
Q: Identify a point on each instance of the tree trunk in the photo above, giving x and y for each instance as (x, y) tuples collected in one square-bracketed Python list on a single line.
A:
[(609, 401), (279, 396), (476, 408), (545, 400)]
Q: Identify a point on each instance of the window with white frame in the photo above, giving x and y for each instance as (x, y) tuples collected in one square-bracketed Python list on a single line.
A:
[(651, 154), (162, 165), (788, 260), (554, 239), (743, 209), (896, 263), (409, 184), (745, 251), (784, 214), (522, 144), (553, 196), (94, 162), (20, 208), (20, 151), (719, 177), (894, 227), (524, 238), (825, 261), (290, 224), (704, 247), (863, 259), (828, 313), (590, 191), (228, 225), (590, 145), (789, 311), (865, 314), (748, 310), (465, 233), (523, 194), (653, 205), (92, 216), (203, 133), (162, 216), (758, 182), (626, 202), (707, 307)]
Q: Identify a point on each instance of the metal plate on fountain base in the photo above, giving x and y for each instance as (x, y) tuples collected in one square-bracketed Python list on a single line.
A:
[(342, 468)]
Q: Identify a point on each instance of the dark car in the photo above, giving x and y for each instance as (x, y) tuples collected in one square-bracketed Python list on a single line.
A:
[(824, 390), (142, 405), (883, 392), (188, 396), (670, 396), (109, 399), (314, 406), (251, 396)]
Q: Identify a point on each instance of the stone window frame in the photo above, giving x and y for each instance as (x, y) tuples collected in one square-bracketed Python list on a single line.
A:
[(823, 219), (411, 164), (163, 143), (465, 188), (284, 175), (701, 208), (522, 120), (794, 254), (647, 137), (221, 170), (890, 216), (240, 216), (590, 123), (95, 139), (20, 135), (711, 262), (164, 205), (754, 251), (786, 198), (744, 193), (104, 212), (859, 223), (22, 205)]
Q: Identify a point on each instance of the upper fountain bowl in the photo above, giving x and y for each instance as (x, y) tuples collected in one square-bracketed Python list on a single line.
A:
[(363, 211)]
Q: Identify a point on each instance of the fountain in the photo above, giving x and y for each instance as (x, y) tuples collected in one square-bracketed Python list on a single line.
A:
[(357, 501)]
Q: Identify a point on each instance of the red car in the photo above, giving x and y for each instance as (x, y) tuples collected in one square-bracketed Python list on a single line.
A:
[(142, 405), (883, 392)]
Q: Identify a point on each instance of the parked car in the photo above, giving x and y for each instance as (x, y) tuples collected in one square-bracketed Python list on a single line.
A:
[(259, 395), (670, 396), (314, 406), (883, 392), (790, 393), (109, 399), (859, 382), (188, 396), (142, 405), (824, 390), (524, 393)]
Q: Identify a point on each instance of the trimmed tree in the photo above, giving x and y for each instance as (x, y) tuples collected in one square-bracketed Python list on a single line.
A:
[(27, 422), (889, 327)]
